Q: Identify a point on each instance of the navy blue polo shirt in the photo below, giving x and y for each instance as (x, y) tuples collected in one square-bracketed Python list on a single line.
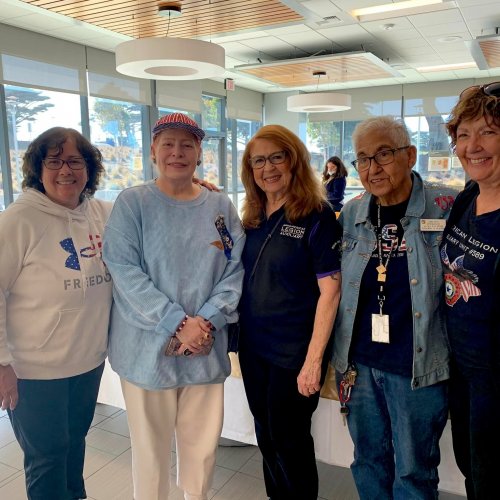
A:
[(279, 300)]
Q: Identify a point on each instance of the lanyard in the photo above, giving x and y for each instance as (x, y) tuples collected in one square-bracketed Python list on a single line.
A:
[(266, 241), (382, 268)]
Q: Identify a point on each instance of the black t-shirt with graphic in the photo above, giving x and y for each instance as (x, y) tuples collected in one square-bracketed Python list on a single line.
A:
[(278, 303), (469, 251), (396, 356)]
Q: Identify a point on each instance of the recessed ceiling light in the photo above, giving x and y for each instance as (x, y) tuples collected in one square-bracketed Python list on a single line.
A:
[(389, 7), (450, 39), (170, 9), (446, 67), (399, 9)]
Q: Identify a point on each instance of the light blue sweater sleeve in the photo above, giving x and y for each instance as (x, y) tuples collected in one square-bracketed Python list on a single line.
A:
[(135, 295), (220, 308)]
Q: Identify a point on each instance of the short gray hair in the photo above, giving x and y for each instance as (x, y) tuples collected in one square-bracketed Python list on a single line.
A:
[(394, 128)]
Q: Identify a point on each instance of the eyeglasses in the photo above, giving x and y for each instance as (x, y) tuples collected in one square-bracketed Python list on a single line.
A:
[(490, 89), (383, 157), (274, 159), (57, 163)]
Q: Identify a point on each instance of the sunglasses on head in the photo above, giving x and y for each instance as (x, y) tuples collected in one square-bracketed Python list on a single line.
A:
[(489, 89)]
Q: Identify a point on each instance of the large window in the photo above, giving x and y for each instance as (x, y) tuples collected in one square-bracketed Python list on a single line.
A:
[(29, 113), (435, 162), (239, 132), (329, 138), (115, 128), (213, 166)]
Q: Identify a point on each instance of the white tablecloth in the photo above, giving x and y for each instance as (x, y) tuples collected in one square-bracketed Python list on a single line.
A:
[(332, 441)]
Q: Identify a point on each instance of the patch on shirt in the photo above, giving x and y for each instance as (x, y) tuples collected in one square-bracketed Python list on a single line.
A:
[(444, 202), (360, 195), (226, 242), (292, 231)]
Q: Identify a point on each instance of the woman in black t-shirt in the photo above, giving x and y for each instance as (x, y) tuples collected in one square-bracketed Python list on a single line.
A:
[(470, 253)]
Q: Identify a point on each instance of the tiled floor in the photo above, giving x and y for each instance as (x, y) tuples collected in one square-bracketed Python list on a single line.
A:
[(238, 473)]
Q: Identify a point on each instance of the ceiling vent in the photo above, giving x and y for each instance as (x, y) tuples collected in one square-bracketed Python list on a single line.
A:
[(329, 20)]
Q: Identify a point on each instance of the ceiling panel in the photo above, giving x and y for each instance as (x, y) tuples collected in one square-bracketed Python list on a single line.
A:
[(272, 30), (199, 18), (342, 67)]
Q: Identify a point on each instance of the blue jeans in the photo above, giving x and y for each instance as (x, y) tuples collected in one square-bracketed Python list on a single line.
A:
[(50, 422), (396, 432)]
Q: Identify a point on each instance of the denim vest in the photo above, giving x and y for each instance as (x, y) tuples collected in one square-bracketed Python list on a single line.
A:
[(430, 344)]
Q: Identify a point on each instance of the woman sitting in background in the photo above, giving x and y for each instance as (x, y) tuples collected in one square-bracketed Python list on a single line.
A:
[(334, 180)]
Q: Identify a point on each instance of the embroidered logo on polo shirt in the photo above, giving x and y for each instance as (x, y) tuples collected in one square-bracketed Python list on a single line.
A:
[(292, 231)]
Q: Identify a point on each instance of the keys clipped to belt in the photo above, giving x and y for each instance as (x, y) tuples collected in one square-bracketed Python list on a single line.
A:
[(346, 385)]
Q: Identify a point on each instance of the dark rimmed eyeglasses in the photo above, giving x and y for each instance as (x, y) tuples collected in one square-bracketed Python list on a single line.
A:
[(382, 158), (57, 163), (490, 89), (276, 158)]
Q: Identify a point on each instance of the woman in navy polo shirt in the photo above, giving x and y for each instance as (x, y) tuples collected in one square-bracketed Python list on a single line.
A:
[(290, 297)]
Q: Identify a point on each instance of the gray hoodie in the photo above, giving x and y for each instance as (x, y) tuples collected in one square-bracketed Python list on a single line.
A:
[(55, 291)]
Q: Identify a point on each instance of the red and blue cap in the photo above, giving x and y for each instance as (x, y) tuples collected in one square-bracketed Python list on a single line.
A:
[(178, 120)]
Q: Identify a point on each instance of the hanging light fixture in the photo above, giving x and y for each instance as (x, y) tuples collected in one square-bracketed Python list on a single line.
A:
[(319, 102), (170, 58)]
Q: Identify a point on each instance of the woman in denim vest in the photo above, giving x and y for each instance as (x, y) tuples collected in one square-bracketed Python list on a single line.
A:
[(390, 346)]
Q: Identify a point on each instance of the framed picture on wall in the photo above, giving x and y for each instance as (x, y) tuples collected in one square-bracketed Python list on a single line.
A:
[(439, 164)]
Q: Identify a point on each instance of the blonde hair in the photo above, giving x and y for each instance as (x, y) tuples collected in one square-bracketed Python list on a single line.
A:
[(305, 191)]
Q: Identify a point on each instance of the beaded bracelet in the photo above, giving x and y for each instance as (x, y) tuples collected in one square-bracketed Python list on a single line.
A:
[(181, 324)]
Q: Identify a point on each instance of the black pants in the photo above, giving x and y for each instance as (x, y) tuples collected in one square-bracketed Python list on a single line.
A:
[(283, 428), (50, 422), (475, 424)]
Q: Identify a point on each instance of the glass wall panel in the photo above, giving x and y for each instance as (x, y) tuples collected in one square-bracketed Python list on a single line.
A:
[(323, 141), (211, 168), (435, 162), (239, 132), (115, 128), (29, 113), (212, 113)]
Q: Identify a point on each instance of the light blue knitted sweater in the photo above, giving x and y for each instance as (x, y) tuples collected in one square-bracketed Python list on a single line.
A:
[(169, 258)]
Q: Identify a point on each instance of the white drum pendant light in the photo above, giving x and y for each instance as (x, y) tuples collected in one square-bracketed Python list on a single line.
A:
[(319, 102), (170, 58)]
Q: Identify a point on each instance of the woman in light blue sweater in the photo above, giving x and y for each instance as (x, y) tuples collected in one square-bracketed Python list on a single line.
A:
[(173, 249)]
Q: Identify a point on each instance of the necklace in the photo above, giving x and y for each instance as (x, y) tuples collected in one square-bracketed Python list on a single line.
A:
[(382, 268)]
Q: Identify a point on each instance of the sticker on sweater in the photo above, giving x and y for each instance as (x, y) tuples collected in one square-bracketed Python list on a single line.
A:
[(226, 242)]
